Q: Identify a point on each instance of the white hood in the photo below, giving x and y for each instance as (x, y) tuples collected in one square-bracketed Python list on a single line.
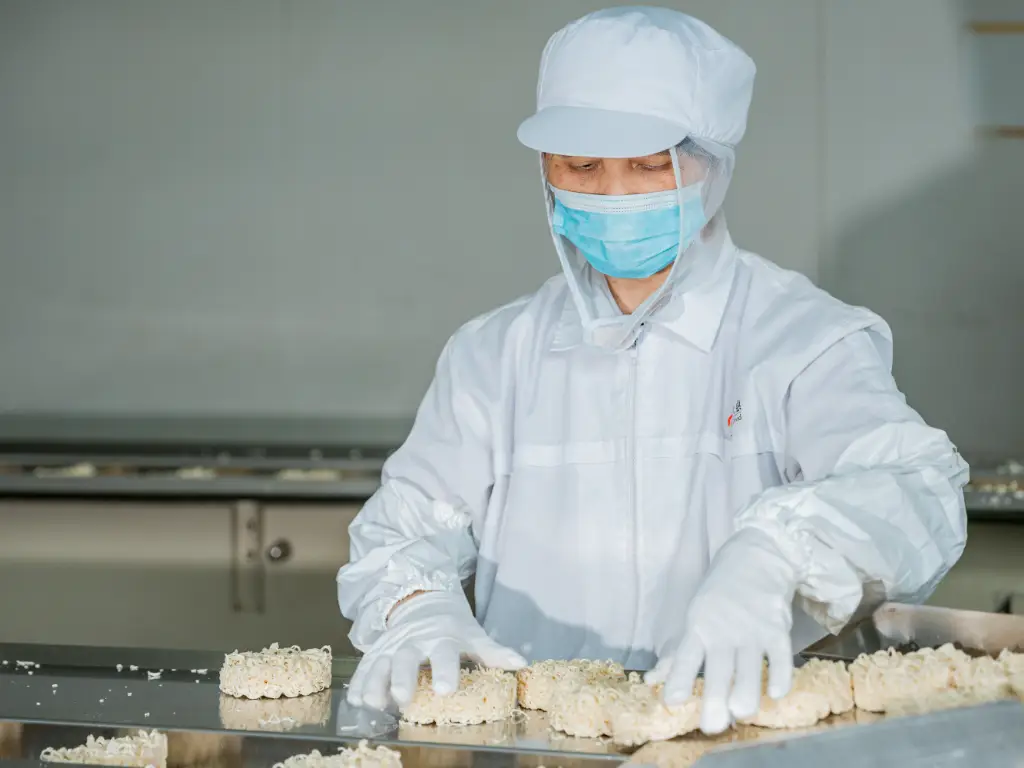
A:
[(628, 82)]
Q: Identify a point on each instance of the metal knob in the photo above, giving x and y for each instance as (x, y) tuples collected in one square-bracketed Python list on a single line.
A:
[(279, 551)]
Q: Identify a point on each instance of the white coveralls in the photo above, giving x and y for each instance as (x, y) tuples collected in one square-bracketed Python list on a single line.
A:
[(586, 487)]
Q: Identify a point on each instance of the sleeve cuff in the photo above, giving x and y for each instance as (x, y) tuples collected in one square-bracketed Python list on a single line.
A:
[(828, 588), (371, 622)]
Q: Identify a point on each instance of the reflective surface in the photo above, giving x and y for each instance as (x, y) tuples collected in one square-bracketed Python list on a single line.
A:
[(155, 487), (895, 625), (92, 692), (198, 436), (989, 736), (229, 751), (95, 693), (60, 704)]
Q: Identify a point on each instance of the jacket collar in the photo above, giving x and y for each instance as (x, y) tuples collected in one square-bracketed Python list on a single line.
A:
[(692, 314)]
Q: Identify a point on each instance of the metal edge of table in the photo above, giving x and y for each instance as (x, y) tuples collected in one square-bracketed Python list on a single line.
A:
[(359, 460), (895, 624), (17, 486), (207, 430), (264, 750), (980, 507)]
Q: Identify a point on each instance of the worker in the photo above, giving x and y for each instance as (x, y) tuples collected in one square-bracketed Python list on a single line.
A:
[(675, 454)]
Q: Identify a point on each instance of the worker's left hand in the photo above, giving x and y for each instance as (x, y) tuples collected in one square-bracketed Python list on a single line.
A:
[(741, 613)]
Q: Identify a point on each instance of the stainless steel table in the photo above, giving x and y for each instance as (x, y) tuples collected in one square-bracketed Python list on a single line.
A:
[(178, 692), (898, 626), (264, 750), (990, 736), (59, 695)]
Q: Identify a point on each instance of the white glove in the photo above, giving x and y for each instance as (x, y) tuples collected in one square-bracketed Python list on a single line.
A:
[(363, 722), (437, 627), (742, 612)]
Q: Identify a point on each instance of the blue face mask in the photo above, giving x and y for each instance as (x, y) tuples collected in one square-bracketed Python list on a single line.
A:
[(629, 236)]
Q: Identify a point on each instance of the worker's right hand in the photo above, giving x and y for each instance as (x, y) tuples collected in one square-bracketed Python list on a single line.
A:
[(438, 627)]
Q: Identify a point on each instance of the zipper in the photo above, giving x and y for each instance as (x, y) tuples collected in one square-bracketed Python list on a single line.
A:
[(633, 469)]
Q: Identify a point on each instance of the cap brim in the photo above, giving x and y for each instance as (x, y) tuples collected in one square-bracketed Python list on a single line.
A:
[(586, 132)]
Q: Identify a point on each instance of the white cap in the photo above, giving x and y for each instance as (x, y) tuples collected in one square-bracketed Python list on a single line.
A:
[(632, 81)]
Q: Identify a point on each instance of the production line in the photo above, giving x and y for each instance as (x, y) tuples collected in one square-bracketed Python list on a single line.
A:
[(53, 697), (996, 494), (78, 692), (278, 459), (183, 458)]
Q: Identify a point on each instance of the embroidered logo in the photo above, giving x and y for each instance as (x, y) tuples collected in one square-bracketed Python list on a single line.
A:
[(736, 415)]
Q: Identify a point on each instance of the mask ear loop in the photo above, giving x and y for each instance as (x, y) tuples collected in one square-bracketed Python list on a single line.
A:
[(549, 209), (610, 336), (677, 171), (689, 257), (659, 297)]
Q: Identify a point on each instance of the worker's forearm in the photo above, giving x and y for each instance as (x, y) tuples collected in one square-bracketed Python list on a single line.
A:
[(400, 547), (899, 527)]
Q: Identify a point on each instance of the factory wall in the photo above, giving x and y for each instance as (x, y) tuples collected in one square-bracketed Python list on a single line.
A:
[(284, 207), (922, 212)]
